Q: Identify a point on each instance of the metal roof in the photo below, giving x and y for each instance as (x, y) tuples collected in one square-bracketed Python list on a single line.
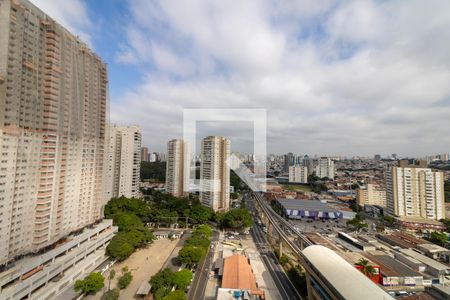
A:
[(345, 278), (425, 260), (300, 204)]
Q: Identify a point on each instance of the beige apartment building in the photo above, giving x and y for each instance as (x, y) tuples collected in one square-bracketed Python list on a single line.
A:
[(215, 173), (53, 99), (415, 192), (177, 168), (371, 195), (298, 174), (123, 161)]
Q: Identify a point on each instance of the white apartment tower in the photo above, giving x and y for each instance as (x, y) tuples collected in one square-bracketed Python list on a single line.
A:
[(298, 174), (177, 168), (53, 99), (215, 173), (325, 168), (124, 161), (415, 191)]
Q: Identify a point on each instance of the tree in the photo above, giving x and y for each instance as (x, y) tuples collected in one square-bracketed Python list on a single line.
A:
[(203, 231), (234, 196), (93, 283), (388, 220), (200, 214), (176, 295), (124, 280), (235, 218), (162, 283), (111, 277), (191, 255), (127, 221), (198, 241), (283, 259), (297, 278), (446, 223), (182, 279), (153, 170), (366, 268), (119, 248), (133, 206), (111, 295), (438, 238), (357, 222)]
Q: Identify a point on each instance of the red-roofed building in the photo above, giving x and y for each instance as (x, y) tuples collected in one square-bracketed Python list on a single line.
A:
[(238, 277)]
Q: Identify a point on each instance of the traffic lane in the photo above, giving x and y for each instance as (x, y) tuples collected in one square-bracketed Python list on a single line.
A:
[(198, 286), (280, 278)]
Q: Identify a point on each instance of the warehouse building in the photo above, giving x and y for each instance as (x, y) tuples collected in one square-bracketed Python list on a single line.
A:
[(312, 209)]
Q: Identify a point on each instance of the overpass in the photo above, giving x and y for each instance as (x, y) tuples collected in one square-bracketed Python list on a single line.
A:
[(326, 272)]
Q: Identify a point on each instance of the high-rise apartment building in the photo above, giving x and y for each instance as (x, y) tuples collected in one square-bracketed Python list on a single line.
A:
[(298, 174), (289, 160), (325, 168), (215, 173), (53, 99), (415, 191), (124, 161), (177, 168), (144, 154), (371, 195)]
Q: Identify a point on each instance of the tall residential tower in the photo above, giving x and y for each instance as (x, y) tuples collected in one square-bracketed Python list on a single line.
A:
[(124, 161), (177, 168), (53, 99), (215, 173), (325, 168), (415, 192)]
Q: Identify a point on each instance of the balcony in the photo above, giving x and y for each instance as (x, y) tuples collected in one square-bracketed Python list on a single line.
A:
[(44, 194), (29, 65), (41, 218), (2, 79)]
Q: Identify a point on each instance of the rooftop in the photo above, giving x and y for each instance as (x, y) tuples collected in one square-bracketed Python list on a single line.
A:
[(392, 267), (343, 276), (238, 274), (425, 259), (311, 205)]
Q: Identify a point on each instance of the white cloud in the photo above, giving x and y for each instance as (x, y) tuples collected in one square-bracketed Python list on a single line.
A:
[(336, 77)]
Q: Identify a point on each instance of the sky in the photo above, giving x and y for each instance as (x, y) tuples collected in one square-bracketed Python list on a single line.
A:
[(335, 77)]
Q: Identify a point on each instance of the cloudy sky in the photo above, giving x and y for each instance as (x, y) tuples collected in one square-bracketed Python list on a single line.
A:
[(336, 77)]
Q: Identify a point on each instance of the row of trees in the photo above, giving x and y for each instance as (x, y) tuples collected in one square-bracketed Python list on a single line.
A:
[(196, 246), (129, 215), (166, 280)]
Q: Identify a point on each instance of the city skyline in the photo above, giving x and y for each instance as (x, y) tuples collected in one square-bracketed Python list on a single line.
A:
[(332, 83)]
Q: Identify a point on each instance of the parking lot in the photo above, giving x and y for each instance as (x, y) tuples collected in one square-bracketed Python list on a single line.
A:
[(321, 226)]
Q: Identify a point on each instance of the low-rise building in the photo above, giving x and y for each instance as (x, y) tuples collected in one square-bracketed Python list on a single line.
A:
[(394, 273), (313, 209), (433, 267), (238, 280)]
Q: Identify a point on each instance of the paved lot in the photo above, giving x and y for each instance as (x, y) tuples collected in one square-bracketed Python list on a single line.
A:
[(143, 264)]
